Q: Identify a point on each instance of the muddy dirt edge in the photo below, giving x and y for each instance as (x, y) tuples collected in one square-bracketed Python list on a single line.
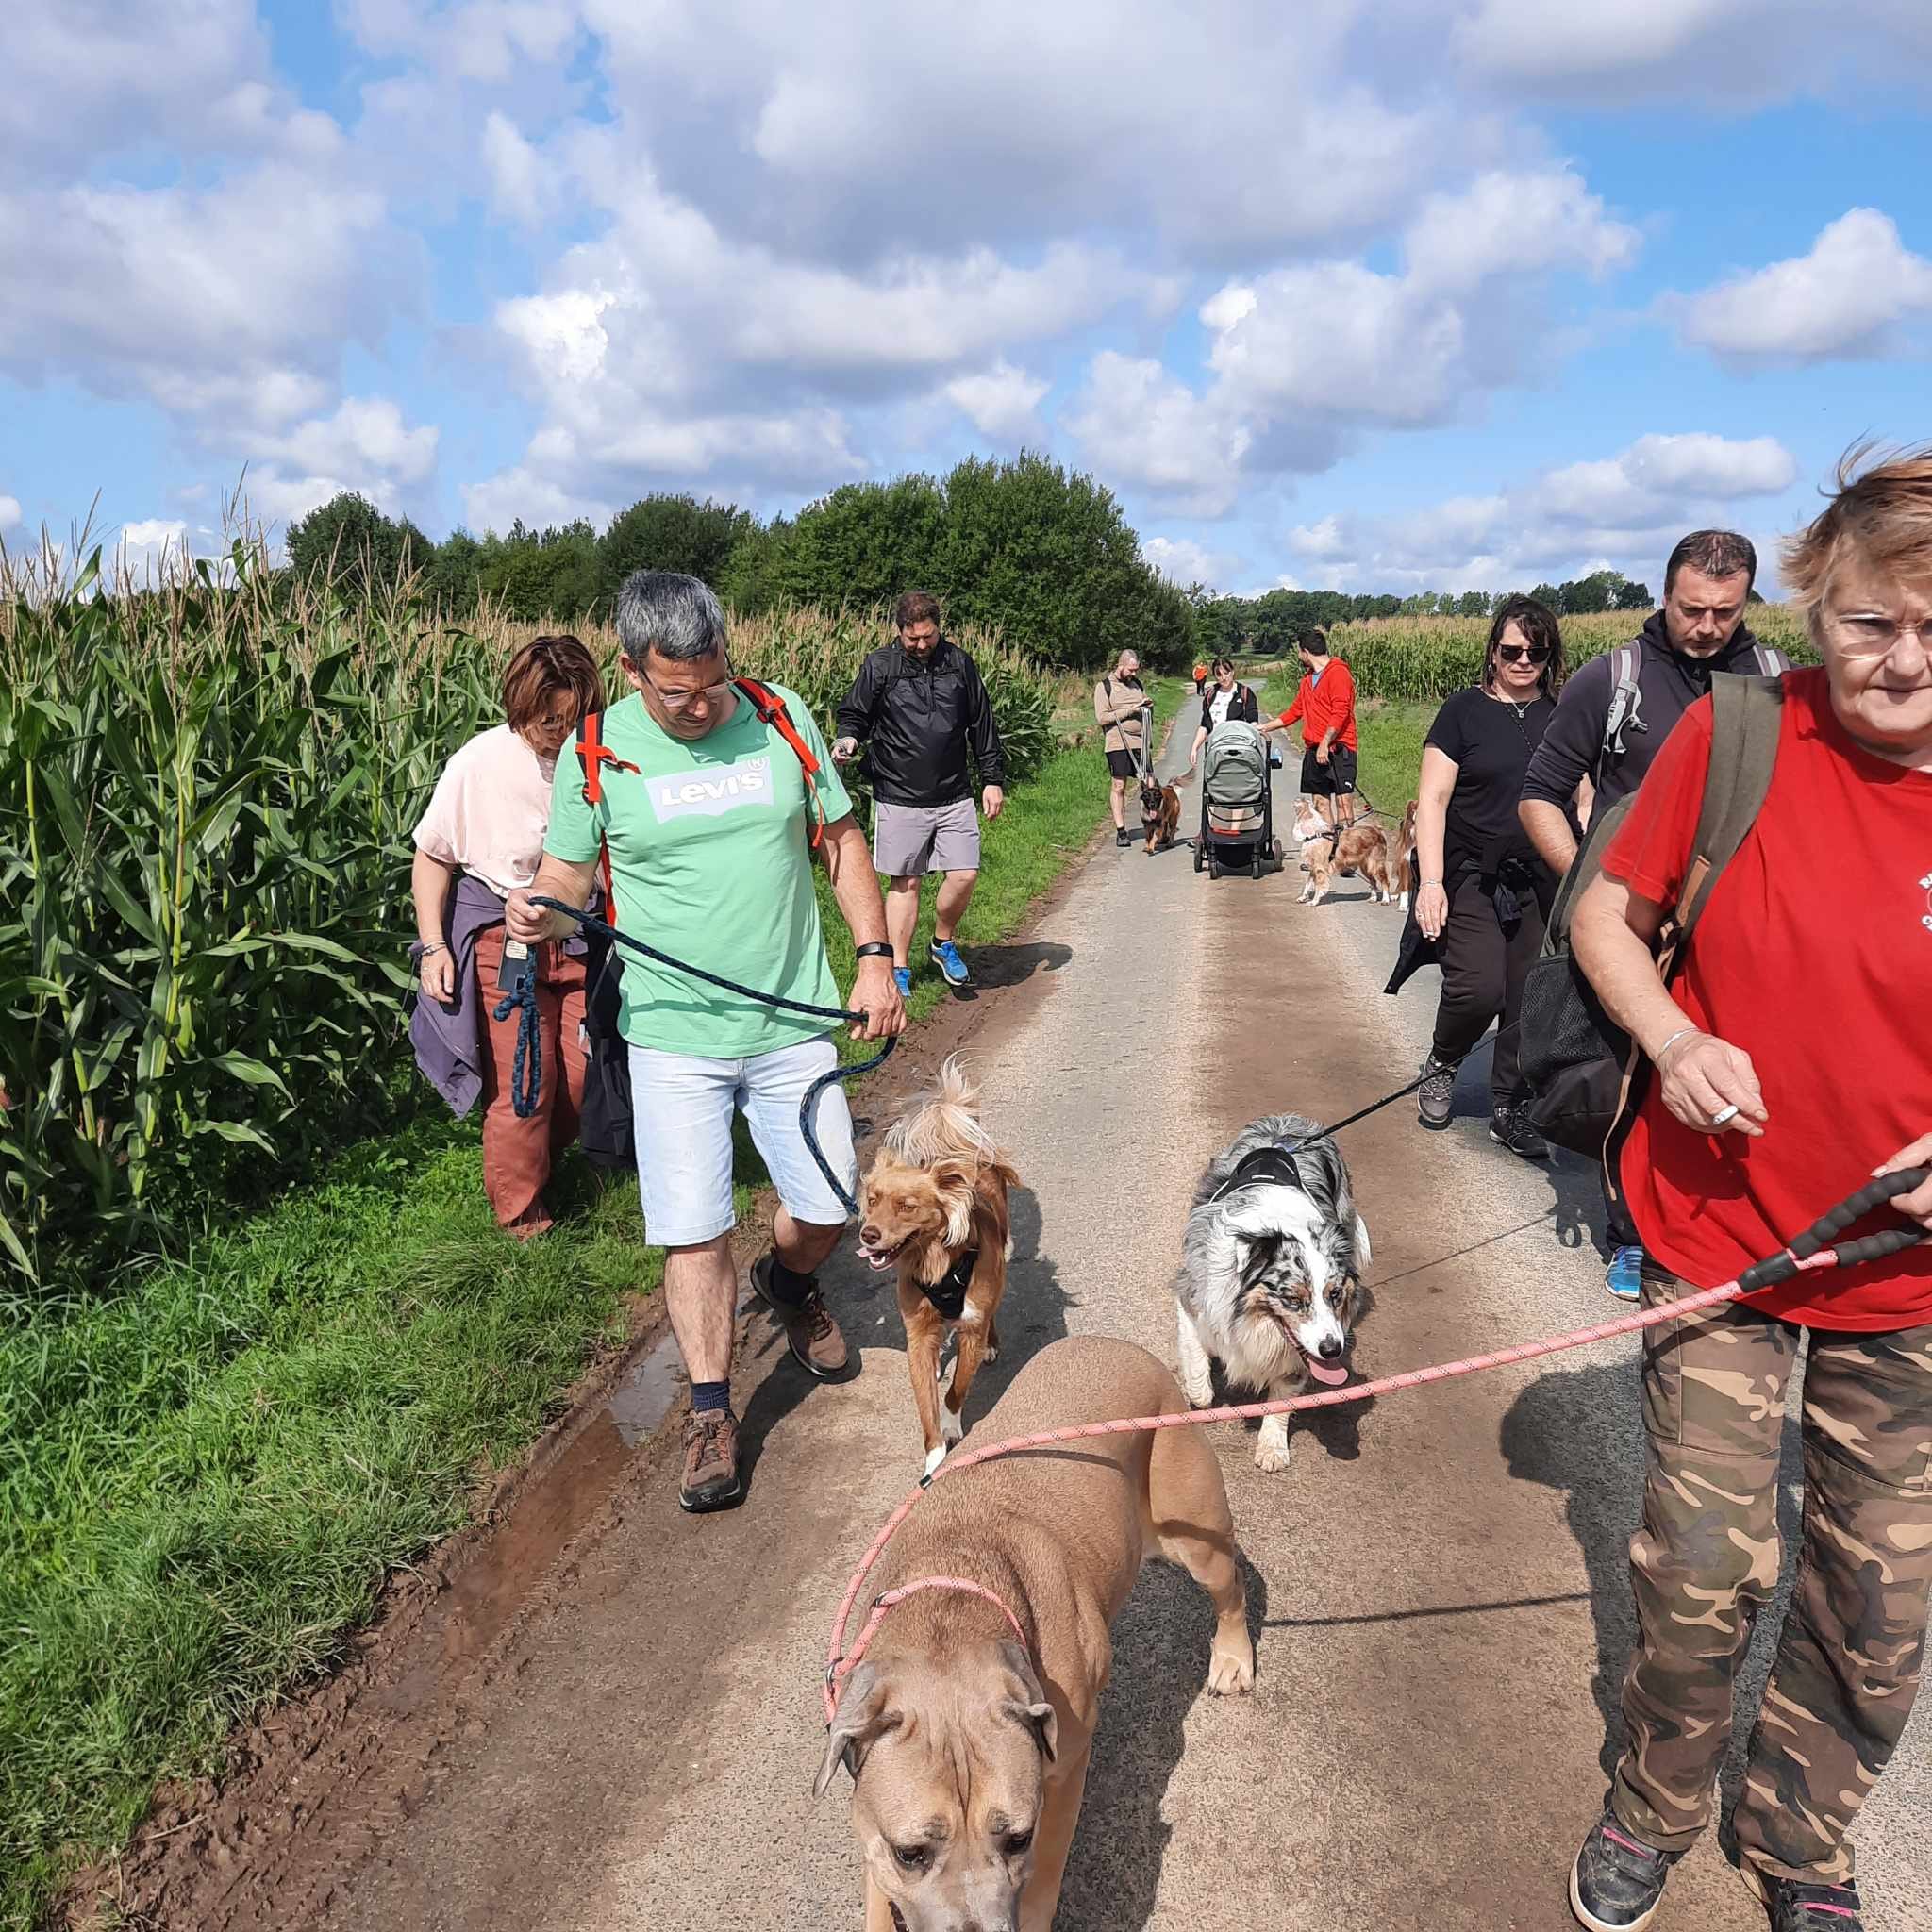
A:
[(315, 1706)]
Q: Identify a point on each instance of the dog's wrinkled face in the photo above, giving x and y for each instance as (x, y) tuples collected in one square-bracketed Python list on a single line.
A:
[(949, 1775), (900, 1206), (1300, 1277)]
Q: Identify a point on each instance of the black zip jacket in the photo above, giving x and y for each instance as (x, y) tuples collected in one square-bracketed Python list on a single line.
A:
[(917, 723), (1670, 683)]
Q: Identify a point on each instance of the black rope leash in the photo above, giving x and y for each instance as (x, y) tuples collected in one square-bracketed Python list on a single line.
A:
[(526, 1066), (590, 923)]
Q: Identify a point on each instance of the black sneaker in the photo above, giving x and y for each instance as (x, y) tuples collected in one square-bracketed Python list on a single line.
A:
[(1796, 1908), (1437, 1094), (1121, 836), (1510, 1127), (1616, 1883)]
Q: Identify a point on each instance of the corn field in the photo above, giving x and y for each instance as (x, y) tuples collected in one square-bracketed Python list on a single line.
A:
[(207, 795), (1422, 659)]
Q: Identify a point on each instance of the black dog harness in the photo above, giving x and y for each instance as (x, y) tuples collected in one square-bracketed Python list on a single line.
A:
[(948, 1293), (1265, 1167)]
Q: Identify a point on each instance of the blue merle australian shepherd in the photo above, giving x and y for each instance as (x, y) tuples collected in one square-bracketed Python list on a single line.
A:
[(1270, 1281)]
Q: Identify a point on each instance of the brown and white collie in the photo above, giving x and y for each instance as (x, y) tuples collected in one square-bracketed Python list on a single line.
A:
[(1160, 814), (934, 1208), (1379, 854)]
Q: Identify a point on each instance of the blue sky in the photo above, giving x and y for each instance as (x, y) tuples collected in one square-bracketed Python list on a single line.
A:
[(1412, 295)]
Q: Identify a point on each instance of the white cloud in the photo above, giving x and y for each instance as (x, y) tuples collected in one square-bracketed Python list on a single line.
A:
[(365, 445), (1304, 357), (1002, 403), (1740, 52), (521, 180), (1184, 561), (1852, 295), (10, 512), (1622, 512), (149, 552)]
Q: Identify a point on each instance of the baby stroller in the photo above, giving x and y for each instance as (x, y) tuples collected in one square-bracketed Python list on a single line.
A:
[(1237, 803)]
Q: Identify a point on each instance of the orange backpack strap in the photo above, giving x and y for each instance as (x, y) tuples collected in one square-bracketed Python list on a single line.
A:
[(771, 709), (593, 754)]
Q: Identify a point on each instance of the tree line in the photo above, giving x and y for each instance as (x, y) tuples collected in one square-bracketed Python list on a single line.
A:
[(1025, 548)]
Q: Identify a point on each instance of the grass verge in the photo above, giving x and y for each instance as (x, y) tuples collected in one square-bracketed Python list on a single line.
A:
[(204, 1479)]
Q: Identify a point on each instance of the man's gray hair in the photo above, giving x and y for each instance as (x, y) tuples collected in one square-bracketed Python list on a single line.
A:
[(678, 617)]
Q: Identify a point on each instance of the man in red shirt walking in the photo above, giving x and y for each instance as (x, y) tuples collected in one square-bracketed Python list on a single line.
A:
[(1792, 1061), (1324, 704)]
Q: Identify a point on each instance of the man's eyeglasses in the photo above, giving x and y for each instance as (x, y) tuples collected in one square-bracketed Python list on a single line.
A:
[(678, 702), (1523, 654), (1870, 634)]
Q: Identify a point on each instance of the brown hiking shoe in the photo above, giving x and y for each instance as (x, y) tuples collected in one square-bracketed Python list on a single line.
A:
[(817, 1345), (710, 1462)]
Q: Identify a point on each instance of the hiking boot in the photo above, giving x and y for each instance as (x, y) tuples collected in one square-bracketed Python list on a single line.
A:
[(1121, 836), (816, 1343), (1796, 1908), (710, 1462), (1616, 1883), (945, 956), (1437, 1094), (1509, 1126), (1624, 1277)]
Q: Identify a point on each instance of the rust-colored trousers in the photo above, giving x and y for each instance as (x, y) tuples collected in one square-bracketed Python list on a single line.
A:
[(518, 1154)]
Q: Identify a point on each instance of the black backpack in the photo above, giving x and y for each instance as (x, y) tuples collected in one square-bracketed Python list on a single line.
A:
[(1585, 1076)]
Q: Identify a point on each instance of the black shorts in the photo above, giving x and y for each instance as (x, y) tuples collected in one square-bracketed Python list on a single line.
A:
[(1336, 776), (1121, 764)]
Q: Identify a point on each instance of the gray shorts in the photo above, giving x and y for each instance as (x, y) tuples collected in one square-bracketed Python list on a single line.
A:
[(908, 840)]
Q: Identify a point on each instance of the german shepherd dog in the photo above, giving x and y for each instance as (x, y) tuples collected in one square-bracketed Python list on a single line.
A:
[(1160, 813), (934, 1208)]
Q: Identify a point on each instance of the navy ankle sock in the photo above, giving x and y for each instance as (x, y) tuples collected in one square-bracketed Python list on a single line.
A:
[(786, 1287), (708, 1396)]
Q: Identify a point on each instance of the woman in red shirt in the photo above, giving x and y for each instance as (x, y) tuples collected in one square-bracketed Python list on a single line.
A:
[(1792, 1060)]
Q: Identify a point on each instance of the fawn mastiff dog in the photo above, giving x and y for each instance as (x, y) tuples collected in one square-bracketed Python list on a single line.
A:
[(968, 1748)]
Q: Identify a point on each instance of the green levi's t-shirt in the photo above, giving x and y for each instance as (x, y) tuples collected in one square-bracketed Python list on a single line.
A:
[(710, 862)]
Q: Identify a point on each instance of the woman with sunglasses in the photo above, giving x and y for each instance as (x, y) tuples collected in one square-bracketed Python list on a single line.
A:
[(1482, 893)]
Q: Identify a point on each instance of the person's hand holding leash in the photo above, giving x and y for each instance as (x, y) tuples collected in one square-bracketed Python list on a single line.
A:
[(844, 750), (1918, 1204), (875, 993), (992, 801), (531, 925), (1432, 911), (1710, 1085)]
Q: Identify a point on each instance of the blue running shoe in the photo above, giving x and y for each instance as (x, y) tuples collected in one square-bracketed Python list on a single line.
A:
[(904, 975), (1625, 1277), (945, 956)]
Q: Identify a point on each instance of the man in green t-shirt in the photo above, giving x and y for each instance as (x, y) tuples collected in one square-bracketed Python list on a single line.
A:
[(708, 816)]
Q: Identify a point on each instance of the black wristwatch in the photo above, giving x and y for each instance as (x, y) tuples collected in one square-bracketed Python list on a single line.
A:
[(873, 949)]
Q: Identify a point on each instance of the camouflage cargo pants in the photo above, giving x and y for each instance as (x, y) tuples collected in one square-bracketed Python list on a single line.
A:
[(1707, 1560)]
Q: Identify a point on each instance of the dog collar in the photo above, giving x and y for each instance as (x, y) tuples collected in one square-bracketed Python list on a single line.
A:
[(1264, 1167), (841, 1668)]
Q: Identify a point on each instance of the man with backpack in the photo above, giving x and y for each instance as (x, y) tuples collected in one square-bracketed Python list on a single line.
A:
[(711, 795), (1614, 715), (919, 706)]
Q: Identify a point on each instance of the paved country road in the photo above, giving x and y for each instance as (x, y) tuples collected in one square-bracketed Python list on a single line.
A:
[(1438, 1580)]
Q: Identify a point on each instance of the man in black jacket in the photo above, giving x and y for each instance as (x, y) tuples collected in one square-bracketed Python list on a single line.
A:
[(1615, 713), (919, 705)]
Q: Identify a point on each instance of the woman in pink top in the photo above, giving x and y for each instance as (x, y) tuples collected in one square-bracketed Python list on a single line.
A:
[(481, 838)]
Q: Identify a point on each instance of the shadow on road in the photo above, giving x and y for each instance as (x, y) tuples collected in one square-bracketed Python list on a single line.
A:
[(995, 968), (1160, 1645)]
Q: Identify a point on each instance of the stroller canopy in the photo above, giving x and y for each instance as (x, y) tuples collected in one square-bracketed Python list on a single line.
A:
[(1234, 770)]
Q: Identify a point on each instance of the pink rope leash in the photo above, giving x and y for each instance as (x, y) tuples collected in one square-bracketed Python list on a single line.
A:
[(838, 1663)]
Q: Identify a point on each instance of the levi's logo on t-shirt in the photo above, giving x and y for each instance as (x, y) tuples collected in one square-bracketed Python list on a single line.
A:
[(711, 793)]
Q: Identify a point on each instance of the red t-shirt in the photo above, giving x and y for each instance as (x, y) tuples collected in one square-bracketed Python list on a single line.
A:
[(1813, 954), (1321, 702)]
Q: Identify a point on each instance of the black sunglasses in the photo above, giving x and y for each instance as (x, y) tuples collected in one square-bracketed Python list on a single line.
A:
[(1515, 654)]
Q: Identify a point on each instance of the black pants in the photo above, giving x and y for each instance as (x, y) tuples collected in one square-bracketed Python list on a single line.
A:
[(1483, 971)]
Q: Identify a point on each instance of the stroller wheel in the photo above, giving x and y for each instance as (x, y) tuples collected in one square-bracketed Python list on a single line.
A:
[(1214, 867), (1199, 859)]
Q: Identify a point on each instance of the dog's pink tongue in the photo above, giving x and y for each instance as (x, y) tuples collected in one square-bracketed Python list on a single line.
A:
[(1333, 1374)]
